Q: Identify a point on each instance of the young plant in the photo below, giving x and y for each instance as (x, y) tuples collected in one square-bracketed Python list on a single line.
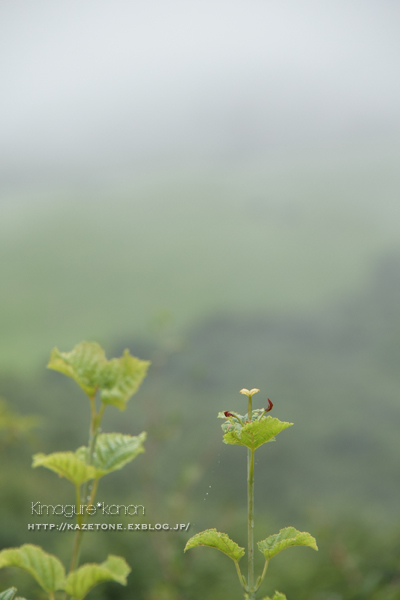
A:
[(105, 382), (252, 431)]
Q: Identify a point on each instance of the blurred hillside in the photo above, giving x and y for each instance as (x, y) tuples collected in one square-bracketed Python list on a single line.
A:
[(266, 237)]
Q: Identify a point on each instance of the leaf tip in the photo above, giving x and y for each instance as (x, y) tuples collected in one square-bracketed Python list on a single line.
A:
[(55, 353)]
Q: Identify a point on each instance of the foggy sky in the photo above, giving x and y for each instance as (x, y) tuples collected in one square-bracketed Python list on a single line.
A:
[(104, 84)]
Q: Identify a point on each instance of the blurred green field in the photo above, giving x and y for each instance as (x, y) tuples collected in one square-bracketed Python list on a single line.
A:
[(264, 237)]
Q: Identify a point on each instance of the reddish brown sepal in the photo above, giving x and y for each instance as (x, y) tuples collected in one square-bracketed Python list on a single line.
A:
[(228, 414), (270, 405)]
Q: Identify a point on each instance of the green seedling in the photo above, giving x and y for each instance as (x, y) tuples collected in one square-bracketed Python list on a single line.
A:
[(252, 431), (106, 383)]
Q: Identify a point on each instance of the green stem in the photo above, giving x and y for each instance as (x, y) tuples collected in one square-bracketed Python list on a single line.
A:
[(249, 409), (93, 430), (250, 513), (76, 550), (94, 490), (241, 577), (93, 433), (261, 578), (78, 504), (250, 521), (78, 535)]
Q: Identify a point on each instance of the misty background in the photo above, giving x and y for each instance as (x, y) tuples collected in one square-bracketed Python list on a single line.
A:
[(215, 186)]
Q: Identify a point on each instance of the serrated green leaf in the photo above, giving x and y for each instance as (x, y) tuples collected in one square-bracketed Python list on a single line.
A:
[(116, 379), (113, 451), (215, 539), (255, 434), (120, 378), (81, 581), (8, 594), (65, 464), (289, 536), (84, 364), (45, 568)]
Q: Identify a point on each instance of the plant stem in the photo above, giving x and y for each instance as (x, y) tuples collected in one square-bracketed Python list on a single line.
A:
[(249, 409), (93, 433), (79, 532), (76, 550), (250, 521), (241, 578), (250, 513), (261, 578), (94, 426), (78, 505), (94, 490)]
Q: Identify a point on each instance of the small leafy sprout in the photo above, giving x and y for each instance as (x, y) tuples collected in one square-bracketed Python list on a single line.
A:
[(252, 431), (105, 382)]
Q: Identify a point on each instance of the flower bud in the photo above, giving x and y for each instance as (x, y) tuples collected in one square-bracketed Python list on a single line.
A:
[(270, 405), (228, 414)]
